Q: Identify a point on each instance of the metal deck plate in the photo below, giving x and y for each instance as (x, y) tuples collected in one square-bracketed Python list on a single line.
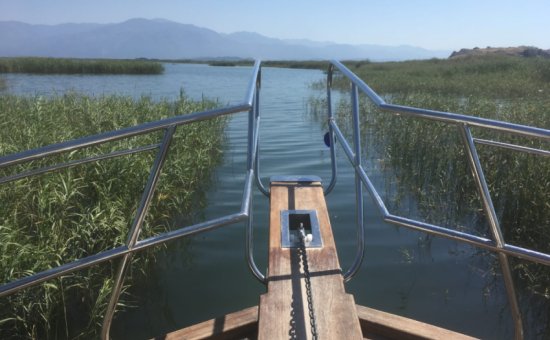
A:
[(290, 224)]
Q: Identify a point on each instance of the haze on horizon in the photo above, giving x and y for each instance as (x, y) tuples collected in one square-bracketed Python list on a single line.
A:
[(438, 25)]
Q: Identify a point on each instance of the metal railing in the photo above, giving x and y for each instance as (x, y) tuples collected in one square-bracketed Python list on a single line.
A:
[(497, 244), (133, 244)]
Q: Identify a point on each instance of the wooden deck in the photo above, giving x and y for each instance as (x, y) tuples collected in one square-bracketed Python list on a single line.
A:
[(283, 311), (239, 325), (375, 325)]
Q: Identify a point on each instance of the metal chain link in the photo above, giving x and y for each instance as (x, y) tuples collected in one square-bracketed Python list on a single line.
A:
[(307, 277)]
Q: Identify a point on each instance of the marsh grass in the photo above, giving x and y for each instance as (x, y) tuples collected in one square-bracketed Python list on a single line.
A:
[(294, 64), (496, 77), (427, 160), (58, 217), (78, 66)]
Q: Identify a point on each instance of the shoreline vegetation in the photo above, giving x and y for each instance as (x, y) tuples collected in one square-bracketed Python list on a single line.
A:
[(45, 65), (497, 77), (427, 161), (37, 65), (297, 64), (520, 52), (301, 64), (56, 218)]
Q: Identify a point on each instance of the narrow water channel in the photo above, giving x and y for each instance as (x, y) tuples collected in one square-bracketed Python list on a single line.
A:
[(404, 272)]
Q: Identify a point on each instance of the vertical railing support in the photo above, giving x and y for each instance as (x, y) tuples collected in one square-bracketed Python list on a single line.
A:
[(332, 140), (496, 232), (250, 241), (253, 167), (358, 187), (136, 229), (256, 138)]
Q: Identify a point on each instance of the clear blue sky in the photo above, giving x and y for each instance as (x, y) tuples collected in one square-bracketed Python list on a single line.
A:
[(433, 24)]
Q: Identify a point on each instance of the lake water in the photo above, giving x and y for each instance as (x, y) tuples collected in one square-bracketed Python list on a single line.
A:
[(404, 272)]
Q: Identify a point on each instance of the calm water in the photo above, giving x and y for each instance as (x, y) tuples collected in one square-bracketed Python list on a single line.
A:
[(404, 272)]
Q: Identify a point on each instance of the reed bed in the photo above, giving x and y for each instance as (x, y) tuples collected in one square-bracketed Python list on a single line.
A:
[(78, 66), (427, 160), (495, 77), (55, 218), (295, 64)]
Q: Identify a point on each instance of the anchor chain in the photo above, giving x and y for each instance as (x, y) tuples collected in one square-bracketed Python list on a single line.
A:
[(307, 277)]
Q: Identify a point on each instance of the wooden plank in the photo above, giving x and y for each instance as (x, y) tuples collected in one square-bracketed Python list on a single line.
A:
[(376, 324), (284, 308), (283, 311), (238, 325)]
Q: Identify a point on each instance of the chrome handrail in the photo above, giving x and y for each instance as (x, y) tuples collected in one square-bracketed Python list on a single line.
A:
[(497, 244), (133, 244)]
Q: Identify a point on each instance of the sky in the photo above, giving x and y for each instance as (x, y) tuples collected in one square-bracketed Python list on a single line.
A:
[(432, 24)]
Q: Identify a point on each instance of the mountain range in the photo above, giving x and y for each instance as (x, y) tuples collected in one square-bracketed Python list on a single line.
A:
[(163, 39)]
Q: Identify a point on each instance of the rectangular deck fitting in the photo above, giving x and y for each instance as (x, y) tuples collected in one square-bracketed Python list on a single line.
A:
[(284, 308), (291, 220)]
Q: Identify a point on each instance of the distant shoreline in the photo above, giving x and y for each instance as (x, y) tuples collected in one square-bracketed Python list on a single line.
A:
[(38, 65), (520, 51)]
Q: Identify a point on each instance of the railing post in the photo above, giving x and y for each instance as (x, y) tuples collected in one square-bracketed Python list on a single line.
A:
[(250, 240), (136, 229), (253, 173), (496, 232), (358, 187), (256, 137), (334, 170)]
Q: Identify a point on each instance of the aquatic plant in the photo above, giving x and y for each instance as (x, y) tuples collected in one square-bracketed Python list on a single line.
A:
[(497, 77), (427, 160), (55, 218), (78, 66)]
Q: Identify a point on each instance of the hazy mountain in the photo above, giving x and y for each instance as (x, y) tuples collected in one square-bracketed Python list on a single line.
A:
[(165, 39)]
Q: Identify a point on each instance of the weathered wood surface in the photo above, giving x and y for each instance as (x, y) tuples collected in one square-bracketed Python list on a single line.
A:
[(283, 311), (284, 308), (238, 325), (376, 324)]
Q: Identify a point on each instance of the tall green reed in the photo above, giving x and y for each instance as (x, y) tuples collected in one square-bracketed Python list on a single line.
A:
[(78, 66), (427, 160), (58, 217), (499, 77)]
